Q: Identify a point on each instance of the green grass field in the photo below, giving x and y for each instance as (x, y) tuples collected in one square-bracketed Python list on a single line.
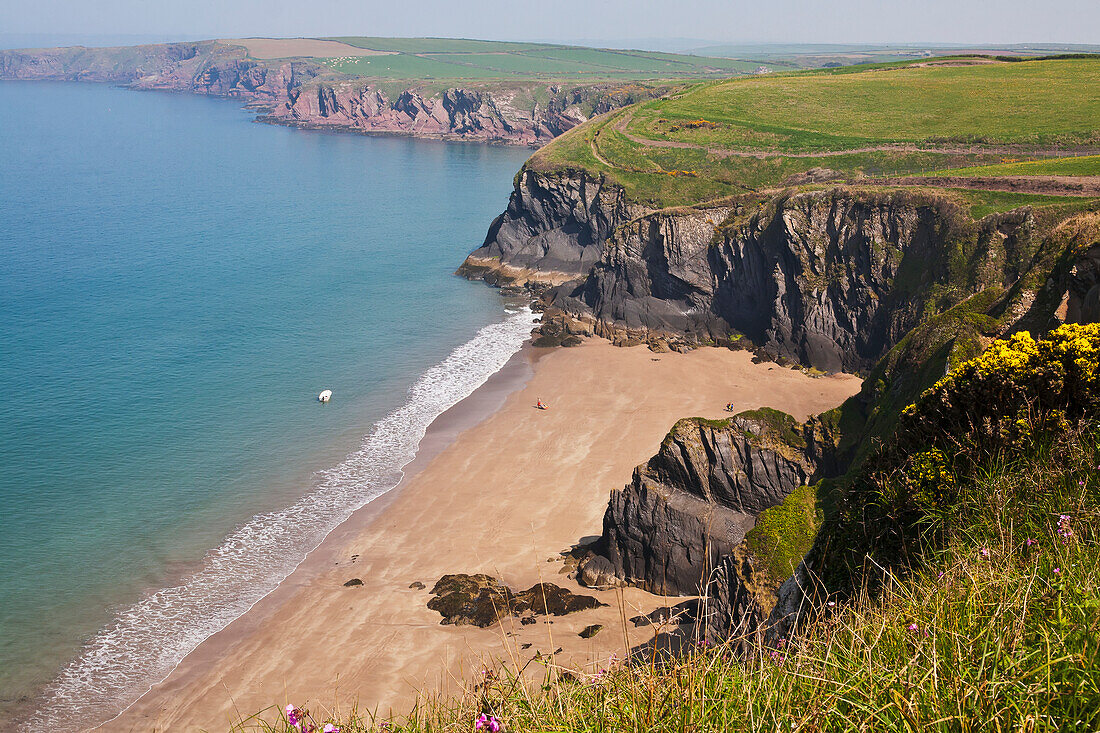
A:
[(447, 58), (1084, 165), (721, 138), (1055, 102)]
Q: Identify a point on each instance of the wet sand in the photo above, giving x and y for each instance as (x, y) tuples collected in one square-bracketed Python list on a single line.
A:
[(498, 487)]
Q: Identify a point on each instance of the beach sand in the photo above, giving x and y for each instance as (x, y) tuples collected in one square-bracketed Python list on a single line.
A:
[(503, 493)]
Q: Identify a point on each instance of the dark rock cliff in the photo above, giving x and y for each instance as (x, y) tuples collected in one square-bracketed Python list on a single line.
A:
[(831, 279), (554, 225), (693, 502)]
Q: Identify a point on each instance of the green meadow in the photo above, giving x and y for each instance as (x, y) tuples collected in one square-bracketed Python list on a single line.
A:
[(721, 138)]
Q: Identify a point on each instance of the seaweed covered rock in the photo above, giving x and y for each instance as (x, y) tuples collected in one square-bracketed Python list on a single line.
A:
[(482, 600)]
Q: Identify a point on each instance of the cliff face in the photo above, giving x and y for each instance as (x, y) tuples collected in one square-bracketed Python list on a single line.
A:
[(553, 226), (693, 503), (503, 114), (305, 93), (831, 279)]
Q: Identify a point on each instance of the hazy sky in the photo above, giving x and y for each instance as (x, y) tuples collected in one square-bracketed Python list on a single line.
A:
[(807, 21)]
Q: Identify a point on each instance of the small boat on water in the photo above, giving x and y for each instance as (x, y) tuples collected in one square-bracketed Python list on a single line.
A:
[(325, 396)]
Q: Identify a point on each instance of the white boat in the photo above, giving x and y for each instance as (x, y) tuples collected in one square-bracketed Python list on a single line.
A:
[(325, 396)]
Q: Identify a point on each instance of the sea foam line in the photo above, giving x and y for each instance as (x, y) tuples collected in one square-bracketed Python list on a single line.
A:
[(147, 640)]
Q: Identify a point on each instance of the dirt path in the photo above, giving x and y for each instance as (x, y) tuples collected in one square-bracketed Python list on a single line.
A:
[(1084, 186), (623, 122)]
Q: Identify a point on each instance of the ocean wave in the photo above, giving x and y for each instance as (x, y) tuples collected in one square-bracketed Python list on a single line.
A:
[(147, 640)]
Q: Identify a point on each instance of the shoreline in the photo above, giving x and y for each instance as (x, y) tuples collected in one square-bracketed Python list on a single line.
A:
[(395, 649), (443, 430), (125, 658)]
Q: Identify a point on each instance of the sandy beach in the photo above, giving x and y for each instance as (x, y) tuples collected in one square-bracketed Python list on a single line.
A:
[(498, 488)]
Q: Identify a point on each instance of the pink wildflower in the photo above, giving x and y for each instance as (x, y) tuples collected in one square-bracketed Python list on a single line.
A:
[(1057, 571), (1065, 530), (984, 552), (1030, 542), (330, 728), (487, 722), (294, 716), (913, 628)]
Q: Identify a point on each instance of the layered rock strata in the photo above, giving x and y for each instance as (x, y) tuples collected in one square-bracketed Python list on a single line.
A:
[(693, 503), (830, 279)]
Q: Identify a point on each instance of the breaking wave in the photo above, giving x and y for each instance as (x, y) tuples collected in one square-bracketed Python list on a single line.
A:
[(147, 640)]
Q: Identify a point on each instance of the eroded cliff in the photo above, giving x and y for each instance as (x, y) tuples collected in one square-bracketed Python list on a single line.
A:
[(304, 92), (510, 113), (900, 285)]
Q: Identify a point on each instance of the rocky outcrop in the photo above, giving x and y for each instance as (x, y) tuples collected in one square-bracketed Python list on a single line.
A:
[(693, 503), (554, 225), (482, 600)]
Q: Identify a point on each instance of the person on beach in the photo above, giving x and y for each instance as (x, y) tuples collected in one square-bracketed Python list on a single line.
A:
[(539, 405)]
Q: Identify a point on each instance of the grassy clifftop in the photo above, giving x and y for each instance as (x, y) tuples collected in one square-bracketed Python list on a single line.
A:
[(722, 138)]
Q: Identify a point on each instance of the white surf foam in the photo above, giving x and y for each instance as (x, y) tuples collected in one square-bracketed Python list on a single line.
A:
[(147, 640)]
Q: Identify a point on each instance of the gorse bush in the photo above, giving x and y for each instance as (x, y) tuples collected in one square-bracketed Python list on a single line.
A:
[(993, 401), (1019, 398)]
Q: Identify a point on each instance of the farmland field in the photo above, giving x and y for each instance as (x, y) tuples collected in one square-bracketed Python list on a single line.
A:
[(447, 58)]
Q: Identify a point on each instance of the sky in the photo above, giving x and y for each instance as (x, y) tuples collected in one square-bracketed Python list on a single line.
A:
[(690, 21)]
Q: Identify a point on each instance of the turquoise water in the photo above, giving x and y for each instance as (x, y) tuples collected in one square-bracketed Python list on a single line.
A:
[(176, 286)]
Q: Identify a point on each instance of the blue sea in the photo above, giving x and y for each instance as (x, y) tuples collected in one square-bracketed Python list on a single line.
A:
[(177, 284)]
